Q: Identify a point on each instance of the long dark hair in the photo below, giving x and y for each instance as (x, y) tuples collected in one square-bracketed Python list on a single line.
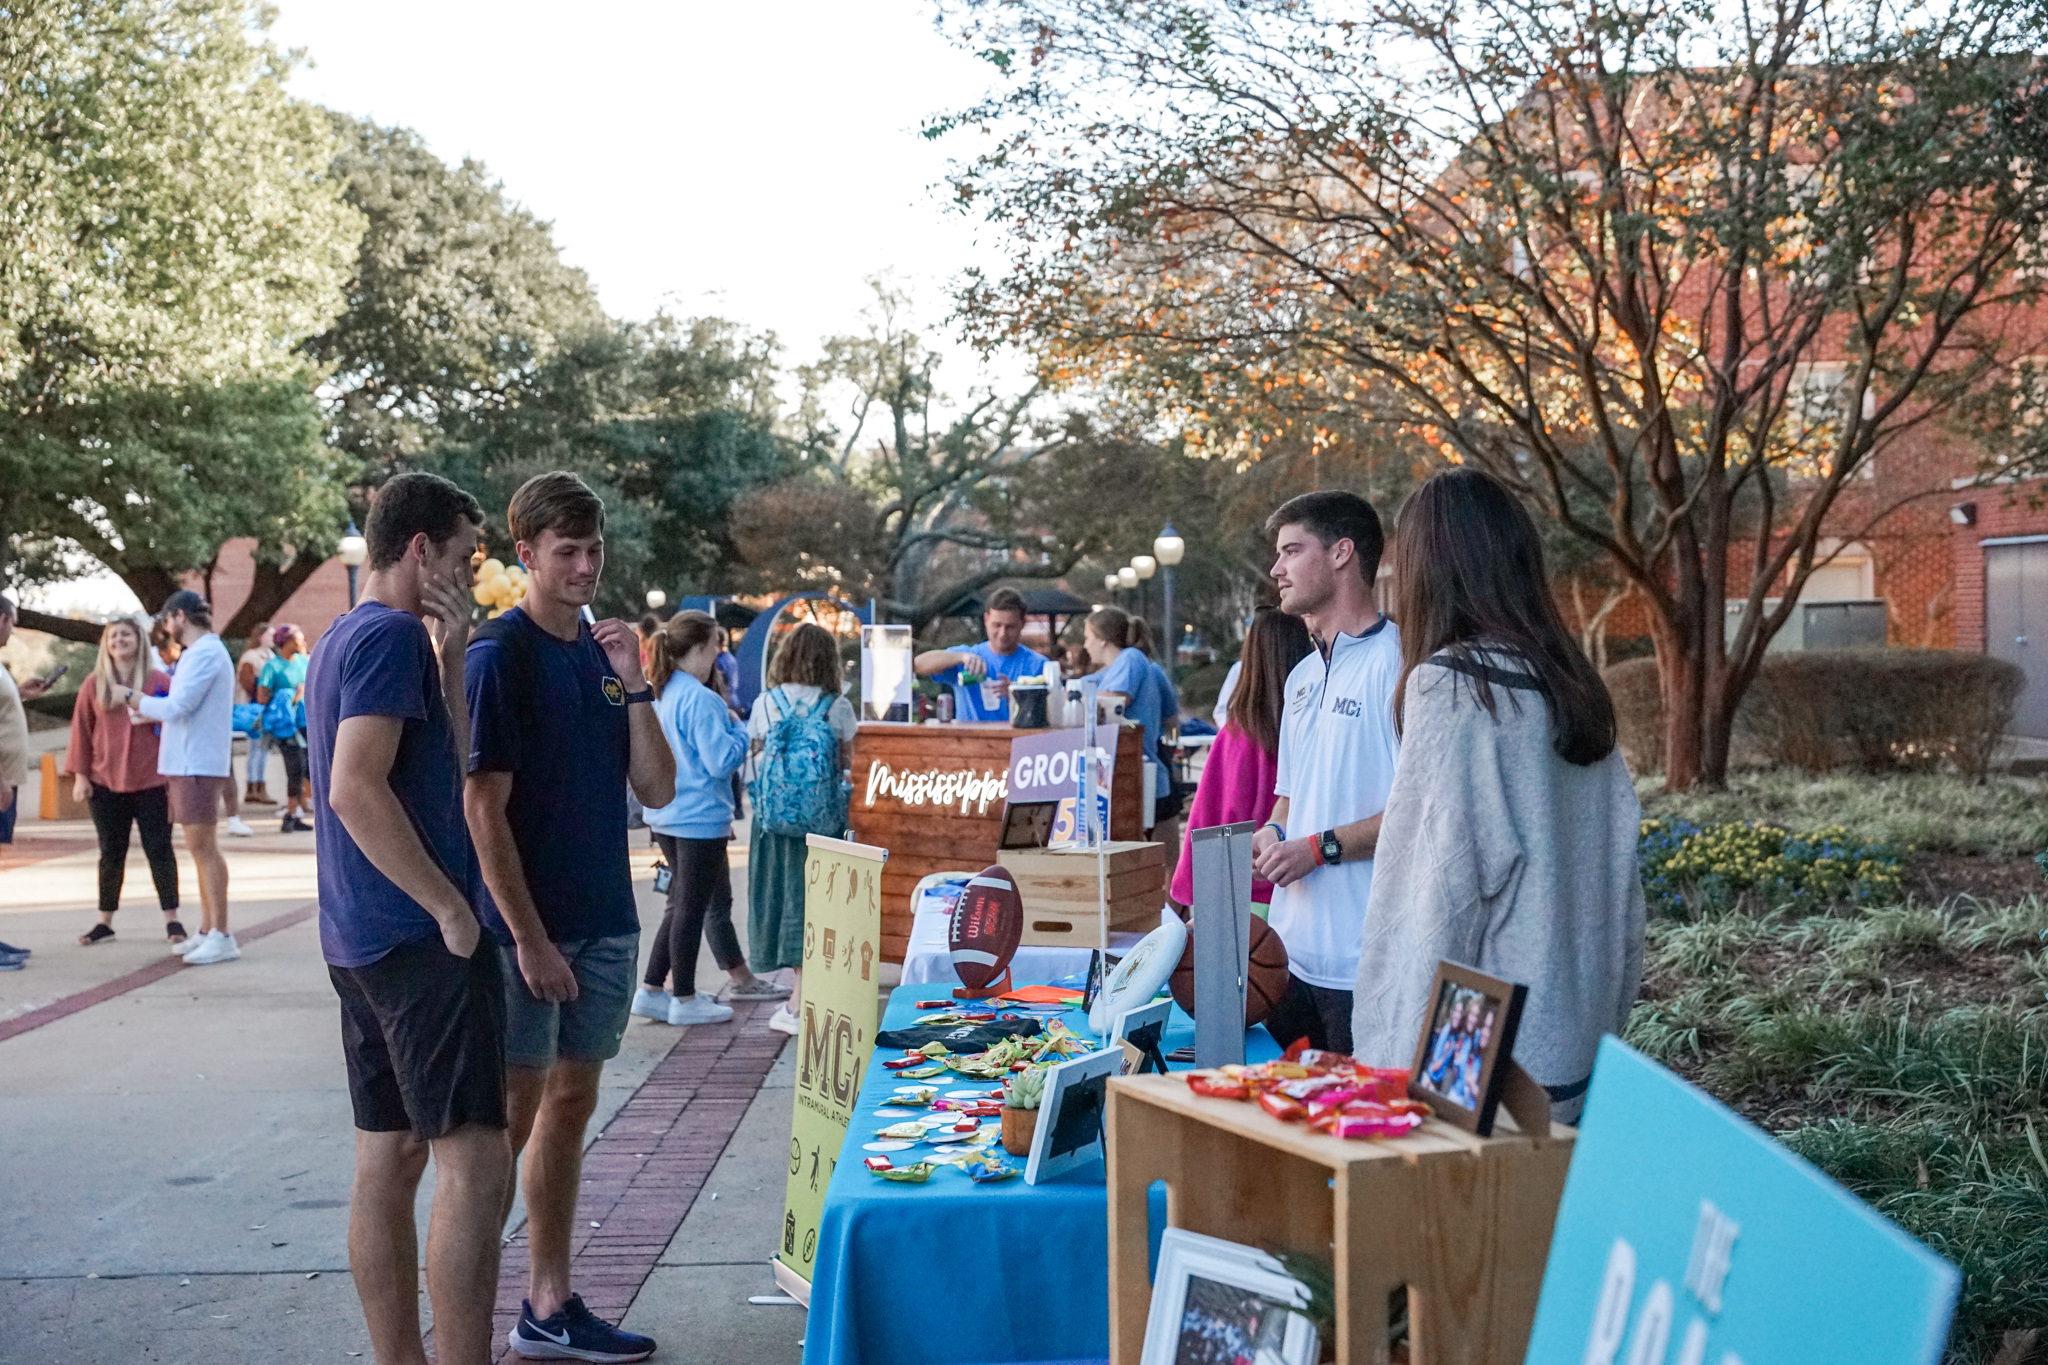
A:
[(1469, 578), (1275, 643)]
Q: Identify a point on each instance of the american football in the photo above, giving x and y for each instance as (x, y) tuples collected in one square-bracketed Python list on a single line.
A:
[(988, 919)]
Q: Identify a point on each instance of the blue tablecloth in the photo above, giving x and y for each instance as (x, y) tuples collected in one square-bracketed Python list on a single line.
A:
[(954, 1273)]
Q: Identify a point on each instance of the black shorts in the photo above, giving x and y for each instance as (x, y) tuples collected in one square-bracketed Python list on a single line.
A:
[(424, 1034), (1317, 1013)]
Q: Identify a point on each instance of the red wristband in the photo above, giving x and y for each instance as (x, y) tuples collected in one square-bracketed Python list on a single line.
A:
[(1315, 848)]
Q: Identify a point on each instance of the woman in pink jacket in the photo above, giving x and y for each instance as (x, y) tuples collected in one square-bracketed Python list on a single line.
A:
[(1237, 781)]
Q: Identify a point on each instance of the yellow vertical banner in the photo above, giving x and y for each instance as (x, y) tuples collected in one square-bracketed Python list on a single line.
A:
[(835, 1037)]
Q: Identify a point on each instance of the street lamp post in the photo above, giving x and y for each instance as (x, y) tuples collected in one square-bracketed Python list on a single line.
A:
[(352, 551), (1169, 548), (1144, 566)]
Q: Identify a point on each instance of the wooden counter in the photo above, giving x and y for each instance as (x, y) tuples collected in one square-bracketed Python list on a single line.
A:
[(969, 764)]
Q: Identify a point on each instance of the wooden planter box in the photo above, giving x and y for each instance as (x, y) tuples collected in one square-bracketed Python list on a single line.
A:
[(1463, 1222), (1062, 908)]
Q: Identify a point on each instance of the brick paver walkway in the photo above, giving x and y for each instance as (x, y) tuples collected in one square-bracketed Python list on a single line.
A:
[(644, 1170)]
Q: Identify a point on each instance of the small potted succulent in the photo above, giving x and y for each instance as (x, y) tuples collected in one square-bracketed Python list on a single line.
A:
[(1021, 1095)]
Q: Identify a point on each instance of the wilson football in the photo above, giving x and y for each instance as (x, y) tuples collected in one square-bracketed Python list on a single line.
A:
[(1265, 978), (988, 919)]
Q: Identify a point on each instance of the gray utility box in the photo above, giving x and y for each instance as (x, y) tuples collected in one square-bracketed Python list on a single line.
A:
[(1850, 624)]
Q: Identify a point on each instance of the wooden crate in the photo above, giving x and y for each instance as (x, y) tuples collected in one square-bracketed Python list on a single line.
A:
[(1463, 1222), (1062, 899), (924, 839)]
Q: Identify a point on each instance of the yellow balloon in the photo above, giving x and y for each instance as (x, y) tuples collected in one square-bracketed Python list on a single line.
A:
[(483, 594), (490, 568)]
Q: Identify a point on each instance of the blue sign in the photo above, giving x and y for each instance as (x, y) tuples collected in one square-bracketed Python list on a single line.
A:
[(1688, 1237)]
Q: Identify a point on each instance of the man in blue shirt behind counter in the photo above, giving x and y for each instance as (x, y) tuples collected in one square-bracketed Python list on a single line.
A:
[(980, 675)]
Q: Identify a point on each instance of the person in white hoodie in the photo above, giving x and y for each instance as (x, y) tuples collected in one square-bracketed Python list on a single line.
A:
[(694, 828), (197, 755)]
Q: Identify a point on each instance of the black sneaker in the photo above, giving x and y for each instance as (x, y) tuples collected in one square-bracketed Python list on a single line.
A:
[(574, 1333)]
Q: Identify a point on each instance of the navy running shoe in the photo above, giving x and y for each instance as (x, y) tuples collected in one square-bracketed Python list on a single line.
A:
[(575, 1333)]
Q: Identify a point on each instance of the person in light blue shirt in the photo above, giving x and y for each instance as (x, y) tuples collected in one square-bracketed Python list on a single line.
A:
[(980, 675), (1126, 672), (693, 829)]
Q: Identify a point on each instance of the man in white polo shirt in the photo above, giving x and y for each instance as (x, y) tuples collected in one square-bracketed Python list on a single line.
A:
[(1336, 760), (197, 754)]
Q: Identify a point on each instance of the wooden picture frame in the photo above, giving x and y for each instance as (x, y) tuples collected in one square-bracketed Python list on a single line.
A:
[(1070, 1116), (1466, 1052)]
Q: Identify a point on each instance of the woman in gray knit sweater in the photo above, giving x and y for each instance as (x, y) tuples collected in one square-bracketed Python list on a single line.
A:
[(1510, 836)]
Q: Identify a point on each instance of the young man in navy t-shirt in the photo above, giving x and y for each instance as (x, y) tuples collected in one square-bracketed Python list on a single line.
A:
[(422, 1001), (561, 722)]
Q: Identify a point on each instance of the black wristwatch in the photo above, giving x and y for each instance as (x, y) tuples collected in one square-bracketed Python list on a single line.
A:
[(645, 694), (1333, 852)]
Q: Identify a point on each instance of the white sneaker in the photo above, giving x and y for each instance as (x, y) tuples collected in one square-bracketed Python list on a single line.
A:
[(191, 941), (215, 947), (782, 1021), (697, 1009), (650, 1003), (236, 827)]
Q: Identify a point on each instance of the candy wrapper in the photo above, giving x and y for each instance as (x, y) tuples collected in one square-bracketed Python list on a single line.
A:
[(901, 1132), (909, 1175), (1218, 1087), (1367, 1120), (1283, 1107), (982, 1171), (924, 1073)]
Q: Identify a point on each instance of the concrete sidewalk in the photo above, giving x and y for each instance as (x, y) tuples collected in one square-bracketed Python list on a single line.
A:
[(178, 1154)]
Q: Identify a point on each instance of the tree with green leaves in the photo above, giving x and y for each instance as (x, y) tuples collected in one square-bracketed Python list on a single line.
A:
[(669, 421), (1647, 263), (168, 223)]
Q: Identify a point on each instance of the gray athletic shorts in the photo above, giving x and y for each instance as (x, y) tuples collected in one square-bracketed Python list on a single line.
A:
[(586, 1029)]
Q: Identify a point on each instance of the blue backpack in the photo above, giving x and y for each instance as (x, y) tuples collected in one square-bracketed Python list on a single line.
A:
[(796, 787), (283, 718)]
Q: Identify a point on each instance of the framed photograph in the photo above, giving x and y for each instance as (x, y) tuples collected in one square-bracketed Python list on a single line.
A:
[(1069, 1132), (1467, 1046), (1137, 1032), (1222, 1303)]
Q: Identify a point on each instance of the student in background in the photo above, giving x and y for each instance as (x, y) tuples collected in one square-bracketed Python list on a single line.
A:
[(247, 669), (113, 767), (1511, 832), (980, 674), (1237, 781), (1336, 758), (1128, 675), (693, 830), (284, 677), (802, 733), (13, 755), (196, 752)]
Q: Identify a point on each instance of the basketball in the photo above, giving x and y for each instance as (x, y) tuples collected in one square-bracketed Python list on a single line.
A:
[(988, 919), (1265, 975)]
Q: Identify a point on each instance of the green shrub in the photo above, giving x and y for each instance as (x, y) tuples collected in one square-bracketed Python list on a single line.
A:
[(1824, 709), (1687, 868), (1927, 812)]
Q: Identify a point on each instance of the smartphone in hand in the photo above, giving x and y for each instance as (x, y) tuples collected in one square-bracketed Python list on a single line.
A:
[(50, 678)]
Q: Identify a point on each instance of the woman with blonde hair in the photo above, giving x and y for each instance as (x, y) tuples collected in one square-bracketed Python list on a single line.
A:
[(692, 830), (112, 760), (802, 733)]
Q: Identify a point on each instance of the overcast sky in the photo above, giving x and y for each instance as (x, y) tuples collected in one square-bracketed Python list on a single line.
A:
[(706, 158)]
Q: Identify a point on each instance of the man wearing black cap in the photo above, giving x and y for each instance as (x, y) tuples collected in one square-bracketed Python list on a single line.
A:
[(197, 754)]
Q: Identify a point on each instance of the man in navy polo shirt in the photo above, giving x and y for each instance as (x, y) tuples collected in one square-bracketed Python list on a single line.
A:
[(981, 674), (559, 725), (422, 1002)]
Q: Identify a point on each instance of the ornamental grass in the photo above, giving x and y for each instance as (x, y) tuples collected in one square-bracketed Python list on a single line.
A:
[(1900, 1046)]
